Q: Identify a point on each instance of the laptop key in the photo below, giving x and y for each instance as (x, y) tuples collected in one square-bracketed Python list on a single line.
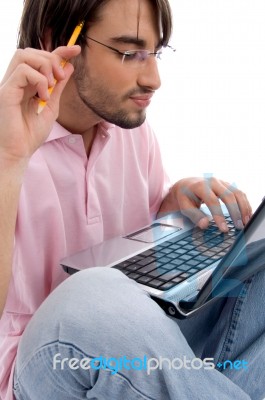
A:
[(166, 251), (163, 244), (178, 279), (134, 276), (155, 283), (148, 253), (175, 246), (133, 267), (146, 261), (185, 275), (188, 239), (143, 279), (134, 259), (185, 257), (122, 265), (193, 271), (222, 254), (188, 247), (169, 266), (159, 264), (172, 256), (167, 286), (200, 258), (209, 253), (192, 263), (125, 272), (157, 273), (171, 274), (147, 268), (193, 253), (224, 245), (165, 260), (184, 267), (182, 242), (201, 266), (180, 251), (177, 262), (210, 261)]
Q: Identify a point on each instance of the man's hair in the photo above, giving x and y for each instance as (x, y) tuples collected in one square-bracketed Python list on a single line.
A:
[(59, 18)]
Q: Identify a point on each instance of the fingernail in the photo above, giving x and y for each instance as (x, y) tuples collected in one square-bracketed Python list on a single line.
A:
[(203, 223), (239, 224), (224, 227)]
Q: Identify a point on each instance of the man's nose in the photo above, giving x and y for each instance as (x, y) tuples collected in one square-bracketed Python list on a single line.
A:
[(149, 75)]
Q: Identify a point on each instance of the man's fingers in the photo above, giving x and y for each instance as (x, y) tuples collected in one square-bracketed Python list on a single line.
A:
[(25, 77), (220, 191), (234, 199), (32, 72), (237, 204), (191, 198), (244, 206), (48, 64), (211, 191), (196, 215)]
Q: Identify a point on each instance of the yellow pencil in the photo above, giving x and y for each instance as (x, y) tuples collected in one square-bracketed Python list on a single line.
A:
[(71, 42)]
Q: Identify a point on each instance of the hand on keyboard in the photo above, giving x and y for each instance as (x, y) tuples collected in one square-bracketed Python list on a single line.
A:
[(189, 194)]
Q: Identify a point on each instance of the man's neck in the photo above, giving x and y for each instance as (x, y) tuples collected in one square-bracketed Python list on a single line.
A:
[(84, 123), (76, 117)]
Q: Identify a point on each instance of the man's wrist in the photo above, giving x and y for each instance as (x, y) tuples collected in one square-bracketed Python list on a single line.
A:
[(170, 202)]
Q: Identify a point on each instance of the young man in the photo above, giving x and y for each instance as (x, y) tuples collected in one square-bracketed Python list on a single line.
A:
[(93, 174)]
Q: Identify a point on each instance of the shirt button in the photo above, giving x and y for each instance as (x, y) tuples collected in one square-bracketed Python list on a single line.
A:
[(72, 140)]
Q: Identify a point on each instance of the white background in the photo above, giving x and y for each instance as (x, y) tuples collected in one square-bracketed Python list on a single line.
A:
[(209, 115)]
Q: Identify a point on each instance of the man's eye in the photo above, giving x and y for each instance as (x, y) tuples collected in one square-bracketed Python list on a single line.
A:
[(131, 55)]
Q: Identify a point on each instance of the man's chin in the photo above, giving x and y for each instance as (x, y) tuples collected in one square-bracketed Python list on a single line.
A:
[(130, 123)]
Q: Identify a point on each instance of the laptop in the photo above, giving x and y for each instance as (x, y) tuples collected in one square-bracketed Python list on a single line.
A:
[(182, 267)]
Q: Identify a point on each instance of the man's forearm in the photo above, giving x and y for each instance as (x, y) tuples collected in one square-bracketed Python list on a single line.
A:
[(10, 184)]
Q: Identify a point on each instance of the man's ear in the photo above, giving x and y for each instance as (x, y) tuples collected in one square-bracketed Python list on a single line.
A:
[(45, 42)]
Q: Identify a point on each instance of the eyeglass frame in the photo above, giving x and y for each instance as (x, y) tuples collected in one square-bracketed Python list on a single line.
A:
[(125, 53)]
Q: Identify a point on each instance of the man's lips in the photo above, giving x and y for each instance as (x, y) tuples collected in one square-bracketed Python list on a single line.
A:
[(142, 100)]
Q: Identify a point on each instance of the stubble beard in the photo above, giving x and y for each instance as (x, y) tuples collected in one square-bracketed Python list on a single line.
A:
[(103, 103)]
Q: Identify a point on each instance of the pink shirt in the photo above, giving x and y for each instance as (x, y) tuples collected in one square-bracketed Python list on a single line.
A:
[(68, 203)]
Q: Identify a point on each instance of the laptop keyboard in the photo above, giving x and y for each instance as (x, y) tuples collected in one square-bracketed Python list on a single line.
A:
[(171, 262)]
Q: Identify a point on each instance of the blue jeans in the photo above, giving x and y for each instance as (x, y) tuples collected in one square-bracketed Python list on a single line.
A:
[(99, 314)]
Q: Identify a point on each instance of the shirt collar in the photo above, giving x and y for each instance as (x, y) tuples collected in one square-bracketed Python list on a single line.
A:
[(58, 131)]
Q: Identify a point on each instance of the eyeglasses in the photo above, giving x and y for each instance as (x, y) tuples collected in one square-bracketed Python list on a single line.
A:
[(132, 58)]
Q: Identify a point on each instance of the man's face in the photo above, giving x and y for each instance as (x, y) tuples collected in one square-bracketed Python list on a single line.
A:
[(116, 91)]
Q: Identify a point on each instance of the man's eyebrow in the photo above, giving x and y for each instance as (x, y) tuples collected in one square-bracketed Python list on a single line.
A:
[(129, 40), (133, 40)]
